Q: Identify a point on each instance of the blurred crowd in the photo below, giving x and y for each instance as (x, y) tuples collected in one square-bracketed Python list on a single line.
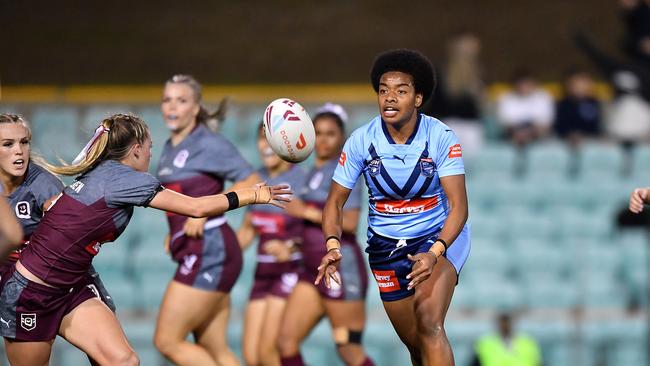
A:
[(528, 112)]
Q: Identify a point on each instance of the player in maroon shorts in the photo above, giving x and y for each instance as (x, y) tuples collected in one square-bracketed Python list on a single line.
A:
[(197, 161), (45, 293), (344, 305), (278, 260)]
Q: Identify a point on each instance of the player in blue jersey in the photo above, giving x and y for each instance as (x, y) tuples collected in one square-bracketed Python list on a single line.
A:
[(46, 293), (197, 161), (344, 306), (278, 259), (417, 237)]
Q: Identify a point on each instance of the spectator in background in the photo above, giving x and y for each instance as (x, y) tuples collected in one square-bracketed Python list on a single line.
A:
[(457, 101), (636, 15), (578, 114), (506, 348), (526, 113)]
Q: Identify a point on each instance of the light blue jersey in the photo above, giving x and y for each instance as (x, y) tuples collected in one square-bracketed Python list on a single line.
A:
[(403, 180)]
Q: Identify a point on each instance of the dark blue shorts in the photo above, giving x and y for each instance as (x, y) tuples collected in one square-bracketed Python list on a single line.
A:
[(390, 265)]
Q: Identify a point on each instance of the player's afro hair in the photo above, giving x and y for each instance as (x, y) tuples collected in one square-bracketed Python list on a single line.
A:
[(409, 62)]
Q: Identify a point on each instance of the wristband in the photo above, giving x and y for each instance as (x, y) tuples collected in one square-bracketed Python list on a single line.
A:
[(233, 200), (443, 243), (332, 245), (436, 253)]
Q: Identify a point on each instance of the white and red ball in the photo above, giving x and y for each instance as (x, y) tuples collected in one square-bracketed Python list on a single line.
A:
[(289, 130)]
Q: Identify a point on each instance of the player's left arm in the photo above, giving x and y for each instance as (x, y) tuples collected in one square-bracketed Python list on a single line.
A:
[(454, 187)]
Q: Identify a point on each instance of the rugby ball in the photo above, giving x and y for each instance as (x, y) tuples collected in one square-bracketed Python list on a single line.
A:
[(289, 130)]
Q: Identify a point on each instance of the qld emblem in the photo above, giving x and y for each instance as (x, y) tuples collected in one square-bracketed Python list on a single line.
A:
[(28, 321), (374, 166), (427, 167)]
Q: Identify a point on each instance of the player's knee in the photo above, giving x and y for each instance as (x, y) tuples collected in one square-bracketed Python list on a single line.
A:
[(164, 344), (348, 345), (123, 358), (287, 345), (430, 327)]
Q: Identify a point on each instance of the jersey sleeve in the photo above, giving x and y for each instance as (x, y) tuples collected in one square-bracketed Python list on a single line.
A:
[(224, 160), (132, 188), (449, 159), (47, 186), (351, 162)]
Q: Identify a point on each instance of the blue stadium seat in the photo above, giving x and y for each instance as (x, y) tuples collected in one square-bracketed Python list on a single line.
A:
[(548, 161), (56, 132), (597, 159), (497, 160)]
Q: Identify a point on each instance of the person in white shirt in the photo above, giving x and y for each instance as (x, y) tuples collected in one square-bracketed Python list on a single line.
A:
[(526, 113)]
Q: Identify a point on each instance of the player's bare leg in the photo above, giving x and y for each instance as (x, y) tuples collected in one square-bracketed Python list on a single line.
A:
[(304, 310), (253, 323), (183, 310), (268, 349), (213, 335), (347, 317), (28, 353), (402, 317), (431, 300), (93, 328)]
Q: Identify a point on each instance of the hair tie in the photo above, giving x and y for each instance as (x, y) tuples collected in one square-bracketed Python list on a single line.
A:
[(84, 152)]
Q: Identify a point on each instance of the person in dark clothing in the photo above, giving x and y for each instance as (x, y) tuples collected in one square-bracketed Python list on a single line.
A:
[(578, 114)]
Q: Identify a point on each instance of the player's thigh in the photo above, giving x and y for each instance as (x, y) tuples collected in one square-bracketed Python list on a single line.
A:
[(28, 353), (184, 309), (93, 328), (402, 315), (432, 297), (275, 307), (303, 310), (348, 314)]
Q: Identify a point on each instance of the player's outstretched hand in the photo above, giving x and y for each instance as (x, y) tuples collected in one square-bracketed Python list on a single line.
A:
[(638, 198), (328, 268), (193, 227), (276, 195), (423, 264)]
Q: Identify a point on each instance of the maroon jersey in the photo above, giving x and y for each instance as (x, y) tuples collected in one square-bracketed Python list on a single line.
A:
[(93, 210)]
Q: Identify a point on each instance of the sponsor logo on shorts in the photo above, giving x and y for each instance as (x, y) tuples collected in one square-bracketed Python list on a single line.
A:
[(208, 277), (23, 210), (93, 288), (181, 158), (387, 281), (188, 264), (5, 322), (289, 281), (455, 151), (28, 321), (403, 207)]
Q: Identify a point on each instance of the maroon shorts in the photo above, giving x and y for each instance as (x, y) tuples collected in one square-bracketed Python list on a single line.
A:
[(275, 279), (32, 312), (210, 263), (353, 272)]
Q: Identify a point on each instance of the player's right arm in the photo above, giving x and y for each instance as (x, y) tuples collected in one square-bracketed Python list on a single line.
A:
[(170, 201), (638, 198)]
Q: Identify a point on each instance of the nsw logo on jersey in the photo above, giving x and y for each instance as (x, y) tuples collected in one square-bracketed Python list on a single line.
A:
[(23, 210), (404, 207), (374, 167), (427, 167)]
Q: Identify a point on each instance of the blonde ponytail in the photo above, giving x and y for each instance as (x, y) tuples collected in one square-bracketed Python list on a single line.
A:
[(112, 140)]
